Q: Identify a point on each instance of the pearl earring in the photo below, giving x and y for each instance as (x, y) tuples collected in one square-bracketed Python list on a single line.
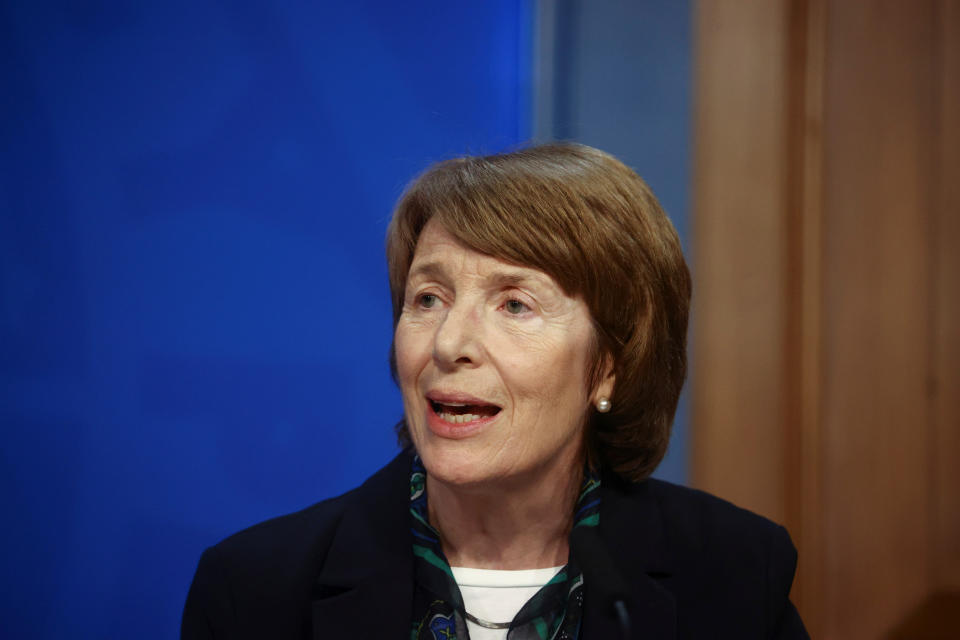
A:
[(603, 405)]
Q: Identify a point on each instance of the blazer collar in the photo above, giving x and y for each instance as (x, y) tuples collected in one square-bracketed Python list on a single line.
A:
[(365, 587), (632, 531)]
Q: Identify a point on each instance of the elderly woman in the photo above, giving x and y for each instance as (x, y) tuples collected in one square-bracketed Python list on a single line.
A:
[(540, 304)]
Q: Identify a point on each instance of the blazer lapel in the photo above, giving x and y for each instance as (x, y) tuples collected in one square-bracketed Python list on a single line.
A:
[(365, 587), (632, 532)]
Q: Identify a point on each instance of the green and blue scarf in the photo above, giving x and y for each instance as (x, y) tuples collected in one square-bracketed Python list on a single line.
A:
[(553, 613)]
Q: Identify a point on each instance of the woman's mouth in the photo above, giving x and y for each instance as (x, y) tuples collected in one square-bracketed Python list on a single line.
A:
[(462, 413)]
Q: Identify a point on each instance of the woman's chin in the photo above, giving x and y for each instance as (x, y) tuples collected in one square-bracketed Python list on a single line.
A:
[(458, 466)]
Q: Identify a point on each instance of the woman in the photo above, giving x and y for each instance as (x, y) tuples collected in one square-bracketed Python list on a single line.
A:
[(540, 303)]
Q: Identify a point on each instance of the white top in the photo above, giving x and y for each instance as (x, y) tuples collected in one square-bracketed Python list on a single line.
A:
[(497, 596)]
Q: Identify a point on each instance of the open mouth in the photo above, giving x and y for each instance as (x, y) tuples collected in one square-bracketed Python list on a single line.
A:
[(456, 413)]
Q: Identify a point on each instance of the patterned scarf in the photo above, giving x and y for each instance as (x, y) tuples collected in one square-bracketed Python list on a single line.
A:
[(553, 613)]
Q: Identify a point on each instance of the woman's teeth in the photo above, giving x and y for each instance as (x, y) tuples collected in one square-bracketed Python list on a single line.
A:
[(458, 418), (463, 413)]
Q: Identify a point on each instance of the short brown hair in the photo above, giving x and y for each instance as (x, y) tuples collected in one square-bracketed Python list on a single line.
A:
[(592, 224)]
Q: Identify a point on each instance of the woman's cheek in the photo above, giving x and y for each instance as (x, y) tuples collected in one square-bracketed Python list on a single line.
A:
[(407, 351), (528, 333)]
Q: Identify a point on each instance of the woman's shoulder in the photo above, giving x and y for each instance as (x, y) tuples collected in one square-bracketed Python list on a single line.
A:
[(725, 566), (292, 534), (702, 519), (259, 582), (266, 568), (700, 536), (310, 530)]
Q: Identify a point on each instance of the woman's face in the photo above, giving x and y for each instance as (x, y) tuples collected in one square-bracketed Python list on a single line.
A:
[(492, 360)]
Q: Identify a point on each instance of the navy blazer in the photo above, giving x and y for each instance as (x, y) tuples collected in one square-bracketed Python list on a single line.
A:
[(696, 567)]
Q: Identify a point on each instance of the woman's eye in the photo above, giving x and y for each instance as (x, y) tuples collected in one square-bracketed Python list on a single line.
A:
[(515, 307), (428, 300)]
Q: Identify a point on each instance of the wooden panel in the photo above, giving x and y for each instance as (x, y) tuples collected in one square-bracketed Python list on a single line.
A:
[(946, 346), (739, 200), (805, 344), (878, 187), (826, 377)]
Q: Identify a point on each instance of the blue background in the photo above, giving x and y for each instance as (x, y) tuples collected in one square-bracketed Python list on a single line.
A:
[(194, 312)]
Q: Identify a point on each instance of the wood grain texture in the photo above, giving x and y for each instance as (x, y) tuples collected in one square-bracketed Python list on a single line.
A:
[(806, 295), (826, 333), (877, 197), (945, 457), (738, 308)]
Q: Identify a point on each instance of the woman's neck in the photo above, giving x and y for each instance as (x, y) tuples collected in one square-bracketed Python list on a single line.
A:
[(516, 523)]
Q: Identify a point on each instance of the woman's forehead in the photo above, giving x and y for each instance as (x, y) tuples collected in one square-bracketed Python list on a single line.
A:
[(439, 253)]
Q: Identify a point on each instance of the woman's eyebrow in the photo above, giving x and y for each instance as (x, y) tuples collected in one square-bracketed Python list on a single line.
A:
[(431, 269), (516, 279), (435, 269), (510, 278)]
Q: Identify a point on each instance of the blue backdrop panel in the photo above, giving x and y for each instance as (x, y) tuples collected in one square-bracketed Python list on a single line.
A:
[(194, 313)]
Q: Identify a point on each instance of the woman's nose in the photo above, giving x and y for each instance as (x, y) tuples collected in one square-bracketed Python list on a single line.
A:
[(457, 341)]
